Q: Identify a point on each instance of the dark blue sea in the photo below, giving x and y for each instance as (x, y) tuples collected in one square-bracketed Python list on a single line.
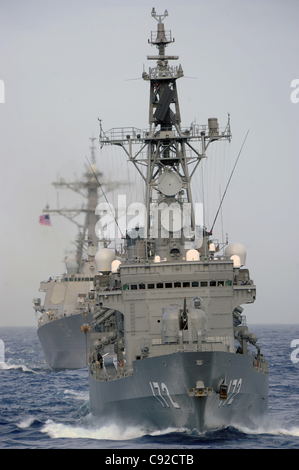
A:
[(41, 409)]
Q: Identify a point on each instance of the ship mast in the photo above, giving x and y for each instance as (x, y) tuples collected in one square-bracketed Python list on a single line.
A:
[(88, 188), (167, 154), (165, 149), (92, 197)]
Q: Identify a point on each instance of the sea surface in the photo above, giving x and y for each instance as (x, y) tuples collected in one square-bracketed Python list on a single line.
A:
[(42, 409)]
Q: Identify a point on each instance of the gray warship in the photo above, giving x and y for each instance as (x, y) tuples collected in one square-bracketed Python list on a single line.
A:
[(65, 316), (171, 348)]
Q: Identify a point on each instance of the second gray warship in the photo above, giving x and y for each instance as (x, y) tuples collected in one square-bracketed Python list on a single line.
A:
[(66, 313), (171, 345)]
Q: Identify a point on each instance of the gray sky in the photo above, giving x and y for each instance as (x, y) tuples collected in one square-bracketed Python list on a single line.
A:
[(65, 63)]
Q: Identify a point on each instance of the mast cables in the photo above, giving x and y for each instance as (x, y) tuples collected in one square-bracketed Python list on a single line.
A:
[(228, 182), (100, 186)]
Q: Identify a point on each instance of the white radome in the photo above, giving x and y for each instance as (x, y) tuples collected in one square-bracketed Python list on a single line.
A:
[(236, 249)]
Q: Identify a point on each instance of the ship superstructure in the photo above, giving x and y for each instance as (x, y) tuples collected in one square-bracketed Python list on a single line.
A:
[(171, 346)]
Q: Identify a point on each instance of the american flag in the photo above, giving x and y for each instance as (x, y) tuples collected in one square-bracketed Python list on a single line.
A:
[(45, 220)]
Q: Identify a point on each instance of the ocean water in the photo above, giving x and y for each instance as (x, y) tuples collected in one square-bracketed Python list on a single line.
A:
[(43, 409)]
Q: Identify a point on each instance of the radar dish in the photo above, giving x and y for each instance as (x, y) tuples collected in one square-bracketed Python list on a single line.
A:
[(169, 183)]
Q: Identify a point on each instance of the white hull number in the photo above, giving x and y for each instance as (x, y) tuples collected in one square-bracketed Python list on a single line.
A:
[(233, 389), (157, 392)]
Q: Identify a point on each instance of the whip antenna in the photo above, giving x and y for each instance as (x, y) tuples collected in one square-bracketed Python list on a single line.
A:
[(229, 181)]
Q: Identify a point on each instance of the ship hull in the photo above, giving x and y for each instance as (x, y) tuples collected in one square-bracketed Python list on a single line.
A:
[(157, 397), (64, 345)]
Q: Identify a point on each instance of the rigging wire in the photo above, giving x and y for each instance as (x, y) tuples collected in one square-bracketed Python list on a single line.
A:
[(229, 182), (100, 186)]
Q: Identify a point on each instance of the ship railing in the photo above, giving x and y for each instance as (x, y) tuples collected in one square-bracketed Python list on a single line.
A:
[(51, 315), (260, 364), (104, 375), (217, 339), (120, 135), (246, 283), (155, 38), (78, 310), (169, 72)]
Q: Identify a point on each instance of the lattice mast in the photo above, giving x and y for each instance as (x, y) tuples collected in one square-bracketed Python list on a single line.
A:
[(170, 158), (88, 188)]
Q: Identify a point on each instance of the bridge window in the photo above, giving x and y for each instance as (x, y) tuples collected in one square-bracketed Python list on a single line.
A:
[(186, 284), (134, 287), (168, 285), (177, 284), (141, 286), (195, 283), (159, 285), (151, 286)]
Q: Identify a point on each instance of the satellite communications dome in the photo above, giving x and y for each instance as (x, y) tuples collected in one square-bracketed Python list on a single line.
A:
[(115, 265), (234, 250), (103, 260), (192, 255), (72, 268)]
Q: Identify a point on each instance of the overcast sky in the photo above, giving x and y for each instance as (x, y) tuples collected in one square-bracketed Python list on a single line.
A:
[(65, 63)]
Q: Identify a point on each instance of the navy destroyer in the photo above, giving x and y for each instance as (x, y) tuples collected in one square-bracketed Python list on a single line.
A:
[(171, 348), (65, 316)]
